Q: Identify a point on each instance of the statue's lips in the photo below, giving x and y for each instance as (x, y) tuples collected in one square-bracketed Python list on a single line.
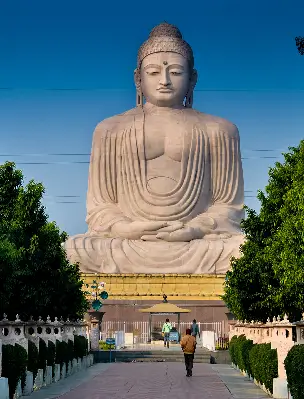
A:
[(165, 90)]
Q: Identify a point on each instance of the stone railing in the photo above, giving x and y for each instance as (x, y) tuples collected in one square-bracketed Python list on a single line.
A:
[(20, 332), (282, 335)]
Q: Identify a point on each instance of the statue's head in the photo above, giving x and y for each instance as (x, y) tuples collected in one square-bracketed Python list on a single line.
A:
[(165, 74)]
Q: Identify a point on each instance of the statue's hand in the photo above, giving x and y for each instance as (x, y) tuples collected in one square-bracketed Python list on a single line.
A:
[(218, 236), (171, 226), (135, 230), (184, 234), (188, 233)]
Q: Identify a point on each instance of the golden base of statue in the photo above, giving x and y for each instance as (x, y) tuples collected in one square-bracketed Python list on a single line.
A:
[(152, 287)]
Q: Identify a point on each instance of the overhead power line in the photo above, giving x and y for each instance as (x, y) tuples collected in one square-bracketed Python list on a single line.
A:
[(71, 89)]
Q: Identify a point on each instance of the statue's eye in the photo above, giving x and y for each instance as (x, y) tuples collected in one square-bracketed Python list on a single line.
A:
[(152, 72), (176, 73)]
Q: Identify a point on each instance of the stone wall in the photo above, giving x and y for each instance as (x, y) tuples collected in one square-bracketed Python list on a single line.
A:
[(281, 334), (20, 332)]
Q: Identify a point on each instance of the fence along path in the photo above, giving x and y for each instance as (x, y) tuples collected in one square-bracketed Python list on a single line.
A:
[(141, 328)]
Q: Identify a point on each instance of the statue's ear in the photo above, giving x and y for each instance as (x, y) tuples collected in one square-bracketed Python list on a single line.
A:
[(137, 78), (193, 79)]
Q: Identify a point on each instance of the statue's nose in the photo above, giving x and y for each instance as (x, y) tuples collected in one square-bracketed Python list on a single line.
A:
[(165, 80)]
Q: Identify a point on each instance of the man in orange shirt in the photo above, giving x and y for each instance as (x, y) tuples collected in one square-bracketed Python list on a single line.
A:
[(188, 344)]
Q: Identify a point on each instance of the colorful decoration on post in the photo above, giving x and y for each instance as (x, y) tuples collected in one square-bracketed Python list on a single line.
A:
[(96, 294), (104, 295)]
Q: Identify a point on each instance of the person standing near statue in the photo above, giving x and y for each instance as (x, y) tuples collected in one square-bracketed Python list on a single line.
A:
[(195, 329), (167, 327), (188, 344)]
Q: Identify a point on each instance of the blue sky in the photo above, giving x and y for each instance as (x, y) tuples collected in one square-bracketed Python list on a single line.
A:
[(249, 72)]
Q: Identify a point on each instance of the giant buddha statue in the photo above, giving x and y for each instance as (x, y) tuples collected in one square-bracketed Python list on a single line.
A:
[(165, 191)]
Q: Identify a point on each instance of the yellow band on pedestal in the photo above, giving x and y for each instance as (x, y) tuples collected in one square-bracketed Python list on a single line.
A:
[(153, 286)]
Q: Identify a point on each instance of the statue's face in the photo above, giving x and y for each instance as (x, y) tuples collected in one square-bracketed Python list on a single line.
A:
[(165, 79)]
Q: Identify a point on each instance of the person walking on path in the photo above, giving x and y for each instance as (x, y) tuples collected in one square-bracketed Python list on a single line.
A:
[(167, 327), (188, 344), (195, 329)]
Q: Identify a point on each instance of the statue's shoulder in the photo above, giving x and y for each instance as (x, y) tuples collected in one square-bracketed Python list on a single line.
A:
[(216, 122), (119, 121)]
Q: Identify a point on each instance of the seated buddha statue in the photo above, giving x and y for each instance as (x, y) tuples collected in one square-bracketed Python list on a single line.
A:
[(165, 190)]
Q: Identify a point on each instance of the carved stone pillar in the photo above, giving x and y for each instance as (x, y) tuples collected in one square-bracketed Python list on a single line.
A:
[(94, 334)]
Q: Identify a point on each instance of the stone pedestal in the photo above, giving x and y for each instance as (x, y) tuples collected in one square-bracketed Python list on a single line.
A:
[(4, 391), (63, 371), (48, 375), (70, 369), (29, 383), (57, 373), (38, 380), (94, 334), (280, 390), (74, 366), (18, 392)]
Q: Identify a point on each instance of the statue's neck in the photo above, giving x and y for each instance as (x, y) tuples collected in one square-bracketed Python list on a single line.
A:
[(154, 109)]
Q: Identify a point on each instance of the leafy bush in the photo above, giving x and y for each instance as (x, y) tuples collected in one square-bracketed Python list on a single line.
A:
[(294, 366), (51, 356), (80, 346), (238, 351), (70, 354), (222, 343), (14, 361), (264, 364), (43, 354), (232, 348), (259, 360), (245, 348), (33, 358), (105, 347), (62, 354)]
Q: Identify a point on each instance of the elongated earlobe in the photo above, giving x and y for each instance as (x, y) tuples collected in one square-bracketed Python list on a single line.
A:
[(139, 98)]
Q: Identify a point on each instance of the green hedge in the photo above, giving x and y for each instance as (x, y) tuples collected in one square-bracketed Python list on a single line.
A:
[(105, 347), (14, 362), (70, 354), (244, 347), (259, 360), (231, 348), (43, 355), (80, 346), (294, 366), (51, 356), (62, 353), (33, 358), (238, 352), (264, 364)]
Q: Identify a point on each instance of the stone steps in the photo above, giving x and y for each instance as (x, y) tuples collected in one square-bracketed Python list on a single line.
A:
[(158, 356)]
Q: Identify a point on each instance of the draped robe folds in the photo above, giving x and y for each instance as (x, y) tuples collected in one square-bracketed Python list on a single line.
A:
[(210, 187)]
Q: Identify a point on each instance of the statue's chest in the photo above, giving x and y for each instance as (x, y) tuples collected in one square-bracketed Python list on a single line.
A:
[(164, 138)]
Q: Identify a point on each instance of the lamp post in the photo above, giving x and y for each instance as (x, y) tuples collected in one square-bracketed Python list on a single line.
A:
[(98, 292)]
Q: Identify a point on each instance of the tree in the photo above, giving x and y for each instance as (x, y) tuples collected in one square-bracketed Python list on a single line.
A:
[(36, 278), (300, 44), (268, 278)]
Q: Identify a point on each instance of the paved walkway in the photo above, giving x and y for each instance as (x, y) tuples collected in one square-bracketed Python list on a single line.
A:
[(153, 381)]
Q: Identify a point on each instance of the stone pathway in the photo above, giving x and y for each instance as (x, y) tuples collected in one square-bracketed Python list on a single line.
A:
[(154, 381)]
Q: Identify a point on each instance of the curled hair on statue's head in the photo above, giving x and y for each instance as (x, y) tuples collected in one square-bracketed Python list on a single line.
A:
[(165, 38)]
